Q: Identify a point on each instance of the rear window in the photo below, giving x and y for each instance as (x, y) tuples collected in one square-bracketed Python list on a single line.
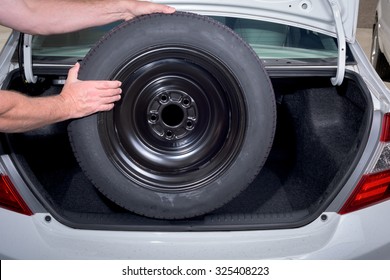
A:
[(274, 43)]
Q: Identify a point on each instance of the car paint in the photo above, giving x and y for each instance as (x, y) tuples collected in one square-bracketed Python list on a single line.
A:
[(359, 235), (383, 11), (309, 14)]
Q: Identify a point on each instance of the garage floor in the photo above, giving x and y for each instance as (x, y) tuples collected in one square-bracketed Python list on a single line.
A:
[(4, 33)]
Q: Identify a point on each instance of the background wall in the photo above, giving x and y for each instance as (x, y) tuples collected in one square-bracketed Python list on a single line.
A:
[(367, 13)]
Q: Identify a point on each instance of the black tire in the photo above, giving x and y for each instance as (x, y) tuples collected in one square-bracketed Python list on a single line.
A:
[(195, 123), (378, 59)]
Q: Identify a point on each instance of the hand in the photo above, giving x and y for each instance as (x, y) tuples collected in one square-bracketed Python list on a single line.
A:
[(83, 98), (138, 8)]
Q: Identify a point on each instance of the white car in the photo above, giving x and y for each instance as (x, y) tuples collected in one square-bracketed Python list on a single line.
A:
[(247, 130), (380, 47)]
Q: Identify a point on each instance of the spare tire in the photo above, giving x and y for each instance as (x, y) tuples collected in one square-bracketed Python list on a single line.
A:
[(195, 123)]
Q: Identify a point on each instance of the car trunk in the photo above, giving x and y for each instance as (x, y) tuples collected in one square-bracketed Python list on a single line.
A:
[(321, 132)]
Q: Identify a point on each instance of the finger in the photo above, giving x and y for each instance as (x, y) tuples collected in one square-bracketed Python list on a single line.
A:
[(102, 85), (110, 98), (109, 92), (106, 107), (146, 7), (164, 9), (73, 72)]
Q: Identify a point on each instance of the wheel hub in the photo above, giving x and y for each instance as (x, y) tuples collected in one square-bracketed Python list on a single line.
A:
[(172, 115)]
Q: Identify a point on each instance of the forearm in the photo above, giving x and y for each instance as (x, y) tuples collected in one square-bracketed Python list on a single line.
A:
[(61, 16), (70, 15), (19, 113)]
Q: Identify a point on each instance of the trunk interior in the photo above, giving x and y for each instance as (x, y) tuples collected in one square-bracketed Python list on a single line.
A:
[(321, 130)]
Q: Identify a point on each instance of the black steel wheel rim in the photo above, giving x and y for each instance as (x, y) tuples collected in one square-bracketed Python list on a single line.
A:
[(181, 121)]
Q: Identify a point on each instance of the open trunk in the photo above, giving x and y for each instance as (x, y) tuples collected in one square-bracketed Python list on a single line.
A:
[(321, 131)]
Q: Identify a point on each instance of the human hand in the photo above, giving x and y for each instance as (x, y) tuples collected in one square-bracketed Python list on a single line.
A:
[(83, 98), (136, 8)]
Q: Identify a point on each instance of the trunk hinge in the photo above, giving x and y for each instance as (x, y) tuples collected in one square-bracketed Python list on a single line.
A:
[(342, 45), (27, 59), (6, 55)]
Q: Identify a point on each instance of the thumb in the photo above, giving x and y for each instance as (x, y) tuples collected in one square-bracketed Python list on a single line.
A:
[(73, 73)]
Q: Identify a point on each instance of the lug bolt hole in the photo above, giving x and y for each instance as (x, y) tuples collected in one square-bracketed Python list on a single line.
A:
[(153, 118), (163, 98), (186, 102), (169, 134), (190, 124)]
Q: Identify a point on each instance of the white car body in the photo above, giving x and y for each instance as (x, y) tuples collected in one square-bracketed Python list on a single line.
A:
[(384, 27), (351, 236)]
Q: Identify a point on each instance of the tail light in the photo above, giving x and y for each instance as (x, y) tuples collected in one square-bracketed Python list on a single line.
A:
[(10, 198), (374, 187)]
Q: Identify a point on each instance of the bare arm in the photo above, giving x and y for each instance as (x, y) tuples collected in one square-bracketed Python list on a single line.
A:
[(61, 16), (19, 113)]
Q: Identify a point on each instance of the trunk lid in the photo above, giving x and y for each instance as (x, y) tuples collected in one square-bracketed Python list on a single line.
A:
[(309, 14)]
